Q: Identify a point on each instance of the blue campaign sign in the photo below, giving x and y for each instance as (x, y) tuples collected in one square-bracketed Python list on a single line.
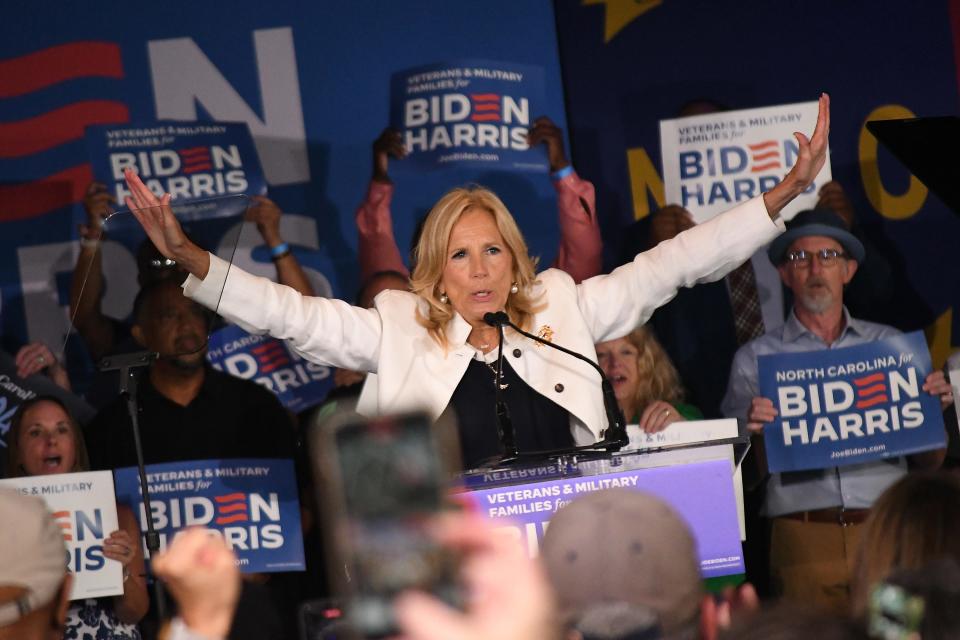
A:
[(298, 384), (252, 503), (468, 113), (190, 161), (851, 405)]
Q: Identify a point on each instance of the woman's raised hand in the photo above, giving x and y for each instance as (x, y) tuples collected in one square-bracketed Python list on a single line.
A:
[(162, 227), (812, 155), (813, 151), (155, 216)]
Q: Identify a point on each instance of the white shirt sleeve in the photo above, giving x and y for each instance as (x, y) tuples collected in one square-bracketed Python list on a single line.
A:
[(615, 304), (322, 330)]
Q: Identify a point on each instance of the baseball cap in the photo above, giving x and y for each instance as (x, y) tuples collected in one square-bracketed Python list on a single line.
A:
[(816, 222), (32, 554), (621, 545)]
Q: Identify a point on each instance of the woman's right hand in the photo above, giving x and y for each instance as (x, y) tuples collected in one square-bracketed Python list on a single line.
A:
[(156, 217)]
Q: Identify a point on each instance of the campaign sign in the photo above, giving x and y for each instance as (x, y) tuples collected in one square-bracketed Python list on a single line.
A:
[(701, 492), (190, 161), (473, 113), (851, 405), (298, 384), (84, 507), (252, 503), (711, 162)]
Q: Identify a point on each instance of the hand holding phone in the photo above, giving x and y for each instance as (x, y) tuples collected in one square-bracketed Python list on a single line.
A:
[(508, 593), (385, 481)]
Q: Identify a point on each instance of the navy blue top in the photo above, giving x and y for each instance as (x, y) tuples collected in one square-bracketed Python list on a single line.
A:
[(539, 422)]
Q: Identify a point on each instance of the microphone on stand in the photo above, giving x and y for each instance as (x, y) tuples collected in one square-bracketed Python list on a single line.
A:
[(615, 436), (505, 430)]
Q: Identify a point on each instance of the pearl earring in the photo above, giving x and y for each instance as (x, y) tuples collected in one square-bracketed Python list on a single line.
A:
[(444, 299), (514, 288)]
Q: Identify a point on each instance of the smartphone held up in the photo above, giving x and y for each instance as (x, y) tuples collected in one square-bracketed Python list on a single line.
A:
[(382, 483)]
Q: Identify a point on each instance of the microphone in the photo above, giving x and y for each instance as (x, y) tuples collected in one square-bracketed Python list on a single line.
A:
[(496, 319), (505, 430), (615, 437)]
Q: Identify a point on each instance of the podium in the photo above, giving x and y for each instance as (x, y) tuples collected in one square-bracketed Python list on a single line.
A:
[(690, 465)]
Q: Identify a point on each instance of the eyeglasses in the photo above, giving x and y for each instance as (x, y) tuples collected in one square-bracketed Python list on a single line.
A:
[(826, 257), (162, 263)]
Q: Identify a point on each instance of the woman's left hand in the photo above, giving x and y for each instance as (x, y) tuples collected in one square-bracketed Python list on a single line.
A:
[(658, 416), (811, 156), (118, 546), (812, 153)]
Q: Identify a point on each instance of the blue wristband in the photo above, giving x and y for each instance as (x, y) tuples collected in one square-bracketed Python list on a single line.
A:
[(280, 249), (560, 174)]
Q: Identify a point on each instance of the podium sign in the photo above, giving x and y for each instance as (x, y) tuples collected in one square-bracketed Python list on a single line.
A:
[(701, 492)]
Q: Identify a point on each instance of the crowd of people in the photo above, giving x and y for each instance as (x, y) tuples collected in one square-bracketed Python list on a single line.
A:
[(857, 551)]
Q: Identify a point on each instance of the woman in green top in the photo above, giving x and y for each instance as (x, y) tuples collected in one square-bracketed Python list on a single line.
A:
[(645, 382)]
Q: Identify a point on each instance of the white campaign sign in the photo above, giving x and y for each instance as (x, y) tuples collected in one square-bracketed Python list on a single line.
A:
[(712, 162), (84, 506)]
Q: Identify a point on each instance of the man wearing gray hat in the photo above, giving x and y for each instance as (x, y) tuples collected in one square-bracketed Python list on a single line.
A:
[(816, 515), (34, 584)]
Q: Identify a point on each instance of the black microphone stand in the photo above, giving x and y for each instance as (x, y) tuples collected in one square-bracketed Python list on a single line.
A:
[(127, 364), (508, 435), (615, 436)]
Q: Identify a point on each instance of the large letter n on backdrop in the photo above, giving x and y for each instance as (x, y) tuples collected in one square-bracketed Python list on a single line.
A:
[(183, 76)]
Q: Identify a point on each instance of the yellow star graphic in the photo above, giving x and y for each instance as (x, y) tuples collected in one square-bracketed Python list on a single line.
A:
[(620, 13)]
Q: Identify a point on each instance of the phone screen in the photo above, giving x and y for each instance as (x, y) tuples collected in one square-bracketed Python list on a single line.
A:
[(323, 620), (392, 482)]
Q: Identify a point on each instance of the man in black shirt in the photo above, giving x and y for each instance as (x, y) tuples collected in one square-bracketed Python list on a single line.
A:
[(187, 410)]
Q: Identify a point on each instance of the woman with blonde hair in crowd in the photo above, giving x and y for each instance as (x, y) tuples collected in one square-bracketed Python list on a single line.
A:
[(646, 383), (914, 521), (44, 439)]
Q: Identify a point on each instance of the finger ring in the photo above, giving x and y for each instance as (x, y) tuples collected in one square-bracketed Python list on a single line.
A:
[(666, 412), (39, 358)]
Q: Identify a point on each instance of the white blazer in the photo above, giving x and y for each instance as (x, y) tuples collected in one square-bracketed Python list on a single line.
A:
[(414, 373)]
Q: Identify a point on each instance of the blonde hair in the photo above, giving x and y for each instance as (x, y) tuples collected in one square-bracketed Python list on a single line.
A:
[(431, 258), (658, 378), (914, 521)]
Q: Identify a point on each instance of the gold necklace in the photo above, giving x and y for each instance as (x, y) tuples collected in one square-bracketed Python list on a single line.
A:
[(503, 385)]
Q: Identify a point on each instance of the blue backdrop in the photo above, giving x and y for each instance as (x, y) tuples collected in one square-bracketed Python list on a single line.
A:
[(311, 79), (628, 64)]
